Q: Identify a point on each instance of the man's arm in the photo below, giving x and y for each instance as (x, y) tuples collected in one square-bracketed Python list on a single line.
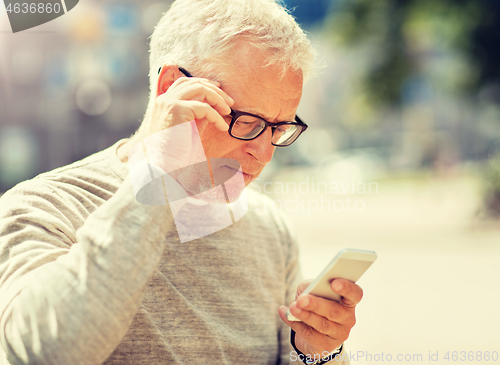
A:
[(62, 305), (67, 305)]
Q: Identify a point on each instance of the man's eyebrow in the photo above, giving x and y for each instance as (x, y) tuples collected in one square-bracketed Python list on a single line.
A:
[(255, 112)]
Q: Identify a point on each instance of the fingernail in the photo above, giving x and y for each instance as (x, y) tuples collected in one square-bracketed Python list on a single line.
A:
[(337, 286)]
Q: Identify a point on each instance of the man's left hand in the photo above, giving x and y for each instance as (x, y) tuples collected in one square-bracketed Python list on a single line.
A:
[(325, 324)]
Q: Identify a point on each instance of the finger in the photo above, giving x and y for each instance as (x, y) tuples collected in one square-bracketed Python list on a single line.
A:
[(309, 333), (213, 85), (350, 292), (203, 93), (315, 311), (202, 111), (319, 323), (181, 111)]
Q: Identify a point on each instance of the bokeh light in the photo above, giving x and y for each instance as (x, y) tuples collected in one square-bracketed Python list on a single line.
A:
[(93, 97), (18, 154)]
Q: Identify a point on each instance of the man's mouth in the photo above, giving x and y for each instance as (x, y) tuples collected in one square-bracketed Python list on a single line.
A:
[(246, 176)]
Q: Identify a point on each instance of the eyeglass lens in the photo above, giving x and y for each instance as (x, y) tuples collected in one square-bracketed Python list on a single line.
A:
[(248, 127)]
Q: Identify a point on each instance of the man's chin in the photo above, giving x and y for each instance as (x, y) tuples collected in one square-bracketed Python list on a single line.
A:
[(225, 184), (227, 192), (249, 178)]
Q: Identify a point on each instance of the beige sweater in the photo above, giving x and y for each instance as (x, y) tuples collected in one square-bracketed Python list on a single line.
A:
[(90, 276)]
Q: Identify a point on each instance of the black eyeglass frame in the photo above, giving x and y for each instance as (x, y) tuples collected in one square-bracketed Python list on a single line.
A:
[(235, 114)]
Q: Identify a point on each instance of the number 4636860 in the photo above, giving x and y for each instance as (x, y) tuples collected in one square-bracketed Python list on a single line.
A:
[(34, 8), (471, 356)]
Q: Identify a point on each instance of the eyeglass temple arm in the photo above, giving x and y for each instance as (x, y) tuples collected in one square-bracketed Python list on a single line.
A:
[(184, 71)]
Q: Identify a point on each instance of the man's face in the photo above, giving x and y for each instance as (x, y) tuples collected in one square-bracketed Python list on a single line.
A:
[(258, 90)]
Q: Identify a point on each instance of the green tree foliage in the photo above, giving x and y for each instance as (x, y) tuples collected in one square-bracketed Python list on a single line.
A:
[(406, 34)]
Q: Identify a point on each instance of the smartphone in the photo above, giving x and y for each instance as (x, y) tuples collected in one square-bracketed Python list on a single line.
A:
[(348, 264)]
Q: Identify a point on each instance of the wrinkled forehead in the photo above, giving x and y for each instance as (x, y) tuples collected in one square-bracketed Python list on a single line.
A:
[(260, 88)]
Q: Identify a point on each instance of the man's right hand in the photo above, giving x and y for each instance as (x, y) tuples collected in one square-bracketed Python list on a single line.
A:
[(185, 100), (180, 99), (188, 99), (171, 136)]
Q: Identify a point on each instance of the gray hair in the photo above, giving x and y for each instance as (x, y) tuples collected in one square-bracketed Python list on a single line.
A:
[(197, 34)]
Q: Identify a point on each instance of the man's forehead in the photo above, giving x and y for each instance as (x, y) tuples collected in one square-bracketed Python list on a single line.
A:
[(257, 85)]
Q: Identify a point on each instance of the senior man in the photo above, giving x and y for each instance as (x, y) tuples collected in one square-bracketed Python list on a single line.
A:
[(91, 275)]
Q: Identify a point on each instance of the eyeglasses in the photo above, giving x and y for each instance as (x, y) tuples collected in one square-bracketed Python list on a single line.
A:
[(246, 126)]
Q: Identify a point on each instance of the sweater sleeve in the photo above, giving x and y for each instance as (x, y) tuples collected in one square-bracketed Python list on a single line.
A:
[(69, 298)]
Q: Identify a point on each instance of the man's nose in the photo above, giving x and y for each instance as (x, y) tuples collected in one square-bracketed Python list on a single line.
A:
[(261, 147)]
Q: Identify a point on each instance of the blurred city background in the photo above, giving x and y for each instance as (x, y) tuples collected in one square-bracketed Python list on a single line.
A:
[(402, 155)]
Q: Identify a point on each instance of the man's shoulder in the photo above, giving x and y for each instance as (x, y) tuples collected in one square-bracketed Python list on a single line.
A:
[(102, 168), (85, 183)]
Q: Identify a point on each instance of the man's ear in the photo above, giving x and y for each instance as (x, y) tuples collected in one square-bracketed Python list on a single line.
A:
[(168, 75)]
